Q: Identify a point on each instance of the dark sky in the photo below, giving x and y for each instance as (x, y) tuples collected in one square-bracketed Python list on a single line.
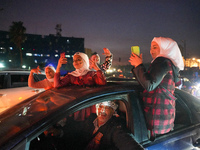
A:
[(115, 24)]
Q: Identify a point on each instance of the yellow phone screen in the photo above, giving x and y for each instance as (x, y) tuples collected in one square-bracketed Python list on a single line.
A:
[(136, 50)]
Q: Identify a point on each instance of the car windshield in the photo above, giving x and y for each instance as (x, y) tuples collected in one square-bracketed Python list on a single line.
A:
[(30, 113)]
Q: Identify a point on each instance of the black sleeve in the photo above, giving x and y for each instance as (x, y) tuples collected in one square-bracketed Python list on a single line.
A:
[(155, 74)]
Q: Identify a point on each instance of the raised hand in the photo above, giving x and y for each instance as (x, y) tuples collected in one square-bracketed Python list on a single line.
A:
[(106, 52), (36, 70), (135, 60)]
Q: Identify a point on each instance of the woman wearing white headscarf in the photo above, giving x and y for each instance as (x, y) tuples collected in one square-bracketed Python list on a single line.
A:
[(81, 76), (159, 83), (47, 83)]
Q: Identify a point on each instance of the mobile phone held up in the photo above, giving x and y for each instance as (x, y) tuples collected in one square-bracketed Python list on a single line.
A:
[(136, 50), (62, 55)]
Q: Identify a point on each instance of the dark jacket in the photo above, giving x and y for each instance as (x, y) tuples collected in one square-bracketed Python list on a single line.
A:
[(113, 135), (158, 96)]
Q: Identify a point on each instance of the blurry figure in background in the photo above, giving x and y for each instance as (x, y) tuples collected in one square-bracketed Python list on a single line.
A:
[(159, 83), (82, 76), (47, 83), (96, 59)]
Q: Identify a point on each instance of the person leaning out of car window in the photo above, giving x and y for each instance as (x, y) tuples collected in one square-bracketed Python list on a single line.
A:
[(159, 83), (103, 130), (95, 59), (82, 76), (47, 83)]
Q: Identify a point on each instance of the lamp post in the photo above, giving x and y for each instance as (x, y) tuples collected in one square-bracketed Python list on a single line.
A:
[(184, 47)]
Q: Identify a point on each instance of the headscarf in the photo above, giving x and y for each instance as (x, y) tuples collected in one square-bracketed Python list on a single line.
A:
[(53, 69), (169, 49), (85, 68)]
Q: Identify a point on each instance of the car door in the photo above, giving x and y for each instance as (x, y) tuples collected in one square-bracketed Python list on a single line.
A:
[(123, 109), (185, 134)]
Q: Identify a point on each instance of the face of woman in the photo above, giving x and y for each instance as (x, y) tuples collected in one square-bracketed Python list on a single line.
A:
[(49, 73), (77, 62), (155, 50)]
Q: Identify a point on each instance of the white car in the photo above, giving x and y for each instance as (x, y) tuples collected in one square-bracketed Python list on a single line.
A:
[(14, 87)]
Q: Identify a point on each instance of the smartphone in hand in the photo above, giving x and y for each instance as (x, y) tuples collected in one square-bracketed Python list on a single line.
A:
[(136, 50), (62, 55)]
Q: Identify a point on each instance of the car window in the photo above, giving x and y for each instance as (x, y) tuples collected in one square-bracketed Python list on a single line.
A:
[(2, 81), (19, 80), (182, 117), (39, 77), (55, 137), (9, 80)]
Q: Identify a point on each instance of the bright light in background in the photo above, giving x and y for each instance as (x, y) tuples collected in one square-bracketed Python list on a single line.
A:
[(68, 56), (10, 60), (29, 54), (111, 70), (119, 70), (2, 65), (24, 66)]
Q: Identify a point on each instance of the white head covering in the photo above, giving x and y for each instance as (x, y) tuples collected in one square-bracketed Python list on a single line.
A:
[(83, 70), (170, 50), (111, 104), (53, 69), (50, 67)]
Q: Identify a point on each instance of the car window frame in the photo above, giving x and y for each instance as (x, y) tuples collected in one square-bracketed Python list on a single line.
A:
[(121, 97)]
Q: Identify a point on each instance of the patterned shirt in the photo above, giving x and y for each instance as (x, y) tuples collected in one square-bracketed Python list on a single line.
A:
[(158, 96), (107, 64)]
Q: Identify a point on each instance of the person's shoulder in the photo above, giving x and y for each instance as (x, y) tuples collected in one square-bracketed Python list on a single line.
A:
[(117, 122), (163, 61)]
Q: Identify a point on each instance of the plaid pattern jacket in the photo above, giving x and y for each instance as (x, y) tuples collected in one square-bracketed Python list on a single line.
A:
[(158, 96)]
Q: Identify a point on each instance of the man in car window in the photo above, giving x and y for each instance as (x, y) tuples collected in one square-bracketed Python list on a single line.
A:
[(105, 130), (101, 131)]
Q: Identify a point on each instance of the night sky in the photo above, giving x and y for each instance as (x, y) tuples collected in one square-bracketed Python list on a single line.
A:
[(115, 24)]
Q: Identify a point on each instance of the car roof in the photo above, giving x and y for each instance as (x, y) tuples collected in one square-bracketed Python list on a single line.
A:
[(27, 72)]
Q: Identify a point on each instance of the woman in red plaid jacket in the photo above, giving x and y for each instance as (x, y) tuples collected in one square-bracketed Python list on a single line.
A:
[(159, 83)]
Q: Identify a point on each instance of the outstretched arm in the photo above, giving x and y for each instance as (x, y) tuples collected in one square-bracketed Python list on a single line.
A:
[(108, 59), (58, 82)]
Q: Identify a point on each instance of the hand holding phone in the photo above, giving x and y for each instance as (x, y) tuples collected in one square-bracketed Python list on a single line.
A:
[(136, 50), (62, 55)]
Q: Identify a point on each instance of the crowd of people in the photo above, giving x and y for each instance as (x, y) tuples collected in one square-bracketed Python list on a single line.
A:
[(158, 96)]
